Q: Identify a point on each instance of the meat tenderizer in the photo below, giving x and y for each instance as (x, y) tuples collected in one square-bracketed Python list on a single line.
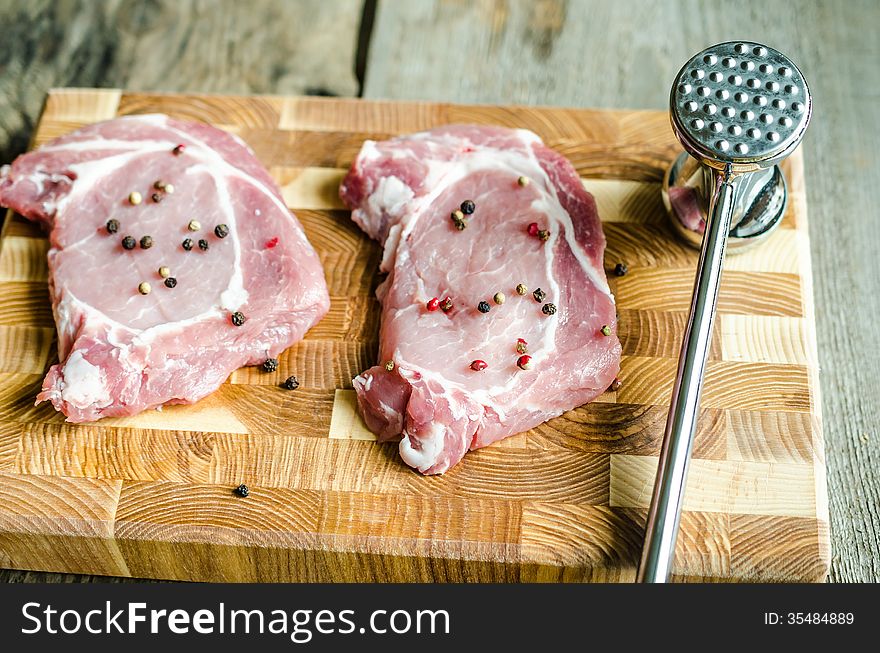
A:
[(738, 109)]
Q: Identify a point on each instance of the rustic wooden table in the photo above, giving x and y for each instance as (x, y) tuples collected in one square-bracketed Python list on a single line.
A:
[(586, 53)]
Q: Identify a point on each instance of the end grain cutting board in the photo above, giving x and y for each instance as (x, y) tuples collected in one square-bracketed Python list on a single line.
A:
[(151, 496)]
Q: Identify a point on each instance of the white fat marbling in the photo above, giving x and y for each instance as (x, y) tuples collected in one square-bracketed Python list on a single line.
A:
[(431, 448)]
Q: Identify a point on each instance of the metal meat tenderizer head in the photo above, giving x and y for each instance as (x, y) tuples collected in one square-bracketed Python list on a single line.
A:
[(738, 109)]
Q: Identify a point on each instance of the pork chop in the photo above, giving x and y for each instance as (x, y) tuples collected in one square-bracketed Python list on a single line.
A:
[(497, 315), (173, 261)]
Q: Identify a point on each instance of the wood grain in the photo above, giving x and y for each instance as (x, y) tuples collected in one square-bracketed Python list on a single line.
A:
[(564, 501)]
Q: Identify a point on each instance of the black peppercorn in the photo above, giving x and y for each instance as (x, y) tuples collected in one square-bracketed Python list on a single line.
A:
[(238, 318), (270, 365), (615, 385), (203, 244), (112, 226), (548, 309), (221, 231), (483, 307), (620, 269), (128, 242), (242, 490), (468, 206), (187, 244), (170, 282), (539, 295), (156, 197), (146, 242), (291, 383)]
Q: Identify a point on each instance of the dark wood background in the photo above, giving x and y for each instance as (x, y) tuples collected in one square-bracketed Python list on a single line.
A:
[(587, 53)]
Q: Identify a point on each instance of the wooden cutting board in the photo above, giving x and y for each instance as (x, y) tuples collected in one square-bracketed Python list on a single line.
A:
[(151, 495)]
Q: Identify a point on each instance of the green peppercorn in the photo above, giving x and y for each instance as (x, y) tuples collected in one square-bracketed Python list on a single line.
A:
[(606, 330), (129, 243)]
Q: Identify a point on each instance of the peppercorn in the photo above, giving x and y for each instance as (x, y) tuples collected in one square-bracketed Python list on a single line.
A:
[(615, 385), (389, 366), (478, 365), (499, 298), (270, 365), (135, 197), (460, 223), (242, 490), (521, 289), (129, 243), (606, 330), (168, 188), (187, 244), (539, 295), (544, 235), (524, 362), (221, 231), (159, 184), (483, 307), (112, 226), (203, 244), (521, 346), (164, 272), (178, 150), (446, 305), (194, 225), (468, 206), (146, 242), (238, 318), (144, 288), (620, 269), (290, 383), (533, 229), (156, 197), (548, 309), (433, 304), (170, 282), (523, 181), (457, 215)]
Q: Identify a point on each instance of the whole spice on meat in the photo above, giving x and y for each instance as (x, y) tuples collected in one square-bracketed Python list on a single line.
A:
[(457, 215), (539, 295), (459, 223), (178, 150), (524, 362), (521, 289), (146, 242), (135, 198), (270, 364), (522, 181), (112, 226), (468, 206), (159, 184), (271, 242), (615, 385), (544, 235), (446, 305), (187, 244), (129, 243), (548, 309), (242, 490), (170, 282), (194, 225), (221, 231), (499, 298), (478, 365), (203, 244), (156, 197), (290, 383), (521, 346), (164, 272), (389, 366), (484, 307), (433, 304), (532, 229), (169, 189), (620, 269), (606, 330), (238, 318), (144, 288)]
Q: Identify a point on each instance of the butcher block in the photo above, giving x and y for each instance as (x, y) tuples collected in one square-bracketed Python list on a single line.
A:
[(152, 496)]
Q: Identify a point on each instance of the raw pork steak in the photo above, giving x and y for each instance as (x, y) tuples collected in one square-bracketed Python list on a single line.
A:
[(123, 351), (456, 380)]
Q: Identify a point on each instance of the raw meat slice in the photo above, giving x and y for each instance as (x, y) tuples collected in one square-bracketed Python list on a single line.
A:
[(123, 351), (402, 193)]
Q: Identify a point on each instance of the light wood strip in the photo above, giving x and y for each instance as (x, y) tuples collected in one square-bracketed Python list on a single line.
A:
[(318, 114), (25, 349), (309, 188), (346, 422), (82, 104), (632, 203), (778, 253), (24, 259), (752, 488), (763, 339)]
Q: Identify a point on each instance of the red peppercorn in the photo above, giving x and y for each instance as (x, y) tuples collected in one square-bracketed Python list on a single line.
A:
[(524, 362), (478, 365), (271, 243), (521, 346), (533, 229), (179, 149), (433, 304)]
